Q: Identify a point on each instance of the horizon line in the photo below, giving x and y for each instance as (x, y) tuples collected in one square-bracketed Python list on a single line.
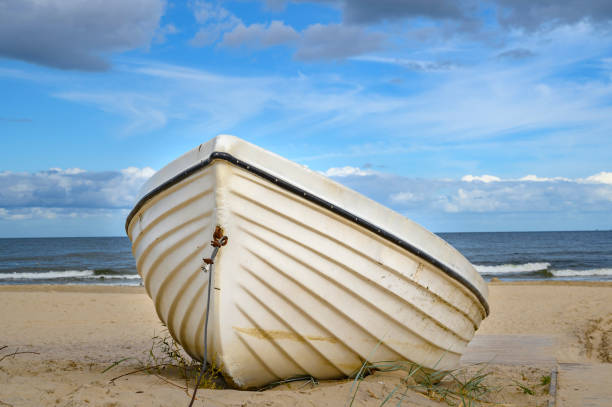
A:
[(437, 233)]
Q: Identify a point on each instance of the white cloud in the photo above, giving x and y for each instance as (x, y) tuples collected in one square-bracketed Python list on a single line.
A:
[(474, 200), (533, 16), (73, 171), (214, 20), (206, 12), (74, 193), (260, 36), (502, 196), (346, 171), (412, 64), (138, 173), (71, 188), (315, 42), (525, 15), (337, 42), (17, 214), (71, 34), (405, 197), (535, 178), (60, 213), (601, 178), (604, 193), (482, 178), (443, 21)]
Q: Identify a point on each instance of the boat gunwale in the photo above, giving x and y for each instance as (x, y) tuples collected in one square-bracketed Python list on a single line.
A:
[(218, 155)]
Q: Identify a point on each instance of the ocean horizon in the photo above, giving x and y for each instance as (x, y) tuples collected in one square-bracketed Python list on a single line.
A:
[(509, 256)]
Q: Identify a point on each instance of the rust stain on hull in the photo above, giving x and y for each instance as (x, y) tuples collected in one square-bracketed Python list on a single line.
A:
[(276, 334)]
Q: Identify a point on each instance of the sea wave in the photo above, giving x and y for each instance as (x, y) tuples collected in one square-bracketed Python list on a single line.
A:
[(581, 273), (66, 274), (106, 272), (513, 268)]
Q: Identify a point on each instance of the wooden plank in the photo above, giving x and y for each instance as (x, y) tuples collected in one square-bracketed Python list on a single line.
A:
[(529, 350), (552, 389), (584, 385)]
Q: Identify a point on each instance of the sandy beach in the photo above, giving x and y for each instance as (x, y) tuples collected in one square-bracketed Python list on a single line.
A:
[(535, 330)]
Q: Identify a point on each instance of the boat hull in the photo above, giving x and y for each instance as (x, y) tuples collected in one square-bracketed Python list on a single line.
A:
[(298, 290)]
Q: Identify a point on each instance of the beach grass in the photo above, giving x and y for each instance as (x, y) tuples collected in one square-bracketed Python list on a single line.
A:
[(167, 360), (456, 387), (466, 386)]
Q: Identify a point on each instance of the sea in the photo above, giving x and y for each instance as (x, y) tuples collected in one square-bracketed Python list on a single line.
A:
[(509, 256)]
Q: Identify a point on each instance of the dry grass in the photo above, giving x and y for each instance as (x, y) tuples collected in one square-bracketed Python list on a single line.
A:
[(454, 387), (167, 361)]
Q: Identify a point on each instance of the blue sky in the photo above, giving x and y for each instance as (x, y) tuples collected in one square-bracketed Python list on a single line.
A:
[(462, 115)]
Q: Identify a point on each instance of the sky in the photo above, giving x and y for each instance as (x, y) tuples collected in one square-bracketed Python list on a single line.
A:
[(462, 115)]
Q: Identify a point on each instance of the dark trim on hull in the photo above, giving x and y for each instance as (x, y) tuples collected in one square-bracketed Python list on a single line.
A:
[(314, 199)]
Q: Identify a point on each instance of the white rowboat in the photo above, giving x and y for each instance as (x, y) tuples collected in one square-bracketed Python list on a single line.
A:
[(315, 278)]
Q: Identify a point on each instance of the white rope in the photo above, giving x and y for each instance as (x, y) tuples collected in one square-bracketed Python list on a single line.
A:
[(218, 241)]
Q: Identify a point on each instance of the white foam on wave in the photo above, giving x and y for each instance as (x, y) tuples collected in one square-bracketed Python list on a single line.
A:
[(512, 268), (52, 275), (581, 273)]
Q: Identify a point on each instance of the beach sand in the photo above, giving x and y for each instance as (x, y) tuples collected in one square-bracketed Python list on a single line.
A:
[(534, 329)]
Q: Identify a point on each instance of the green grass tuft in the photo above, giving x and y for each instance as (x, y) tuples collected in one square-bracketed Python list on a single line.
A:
[(524, 389), (167, 360), (455, 387), (545, 380)]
